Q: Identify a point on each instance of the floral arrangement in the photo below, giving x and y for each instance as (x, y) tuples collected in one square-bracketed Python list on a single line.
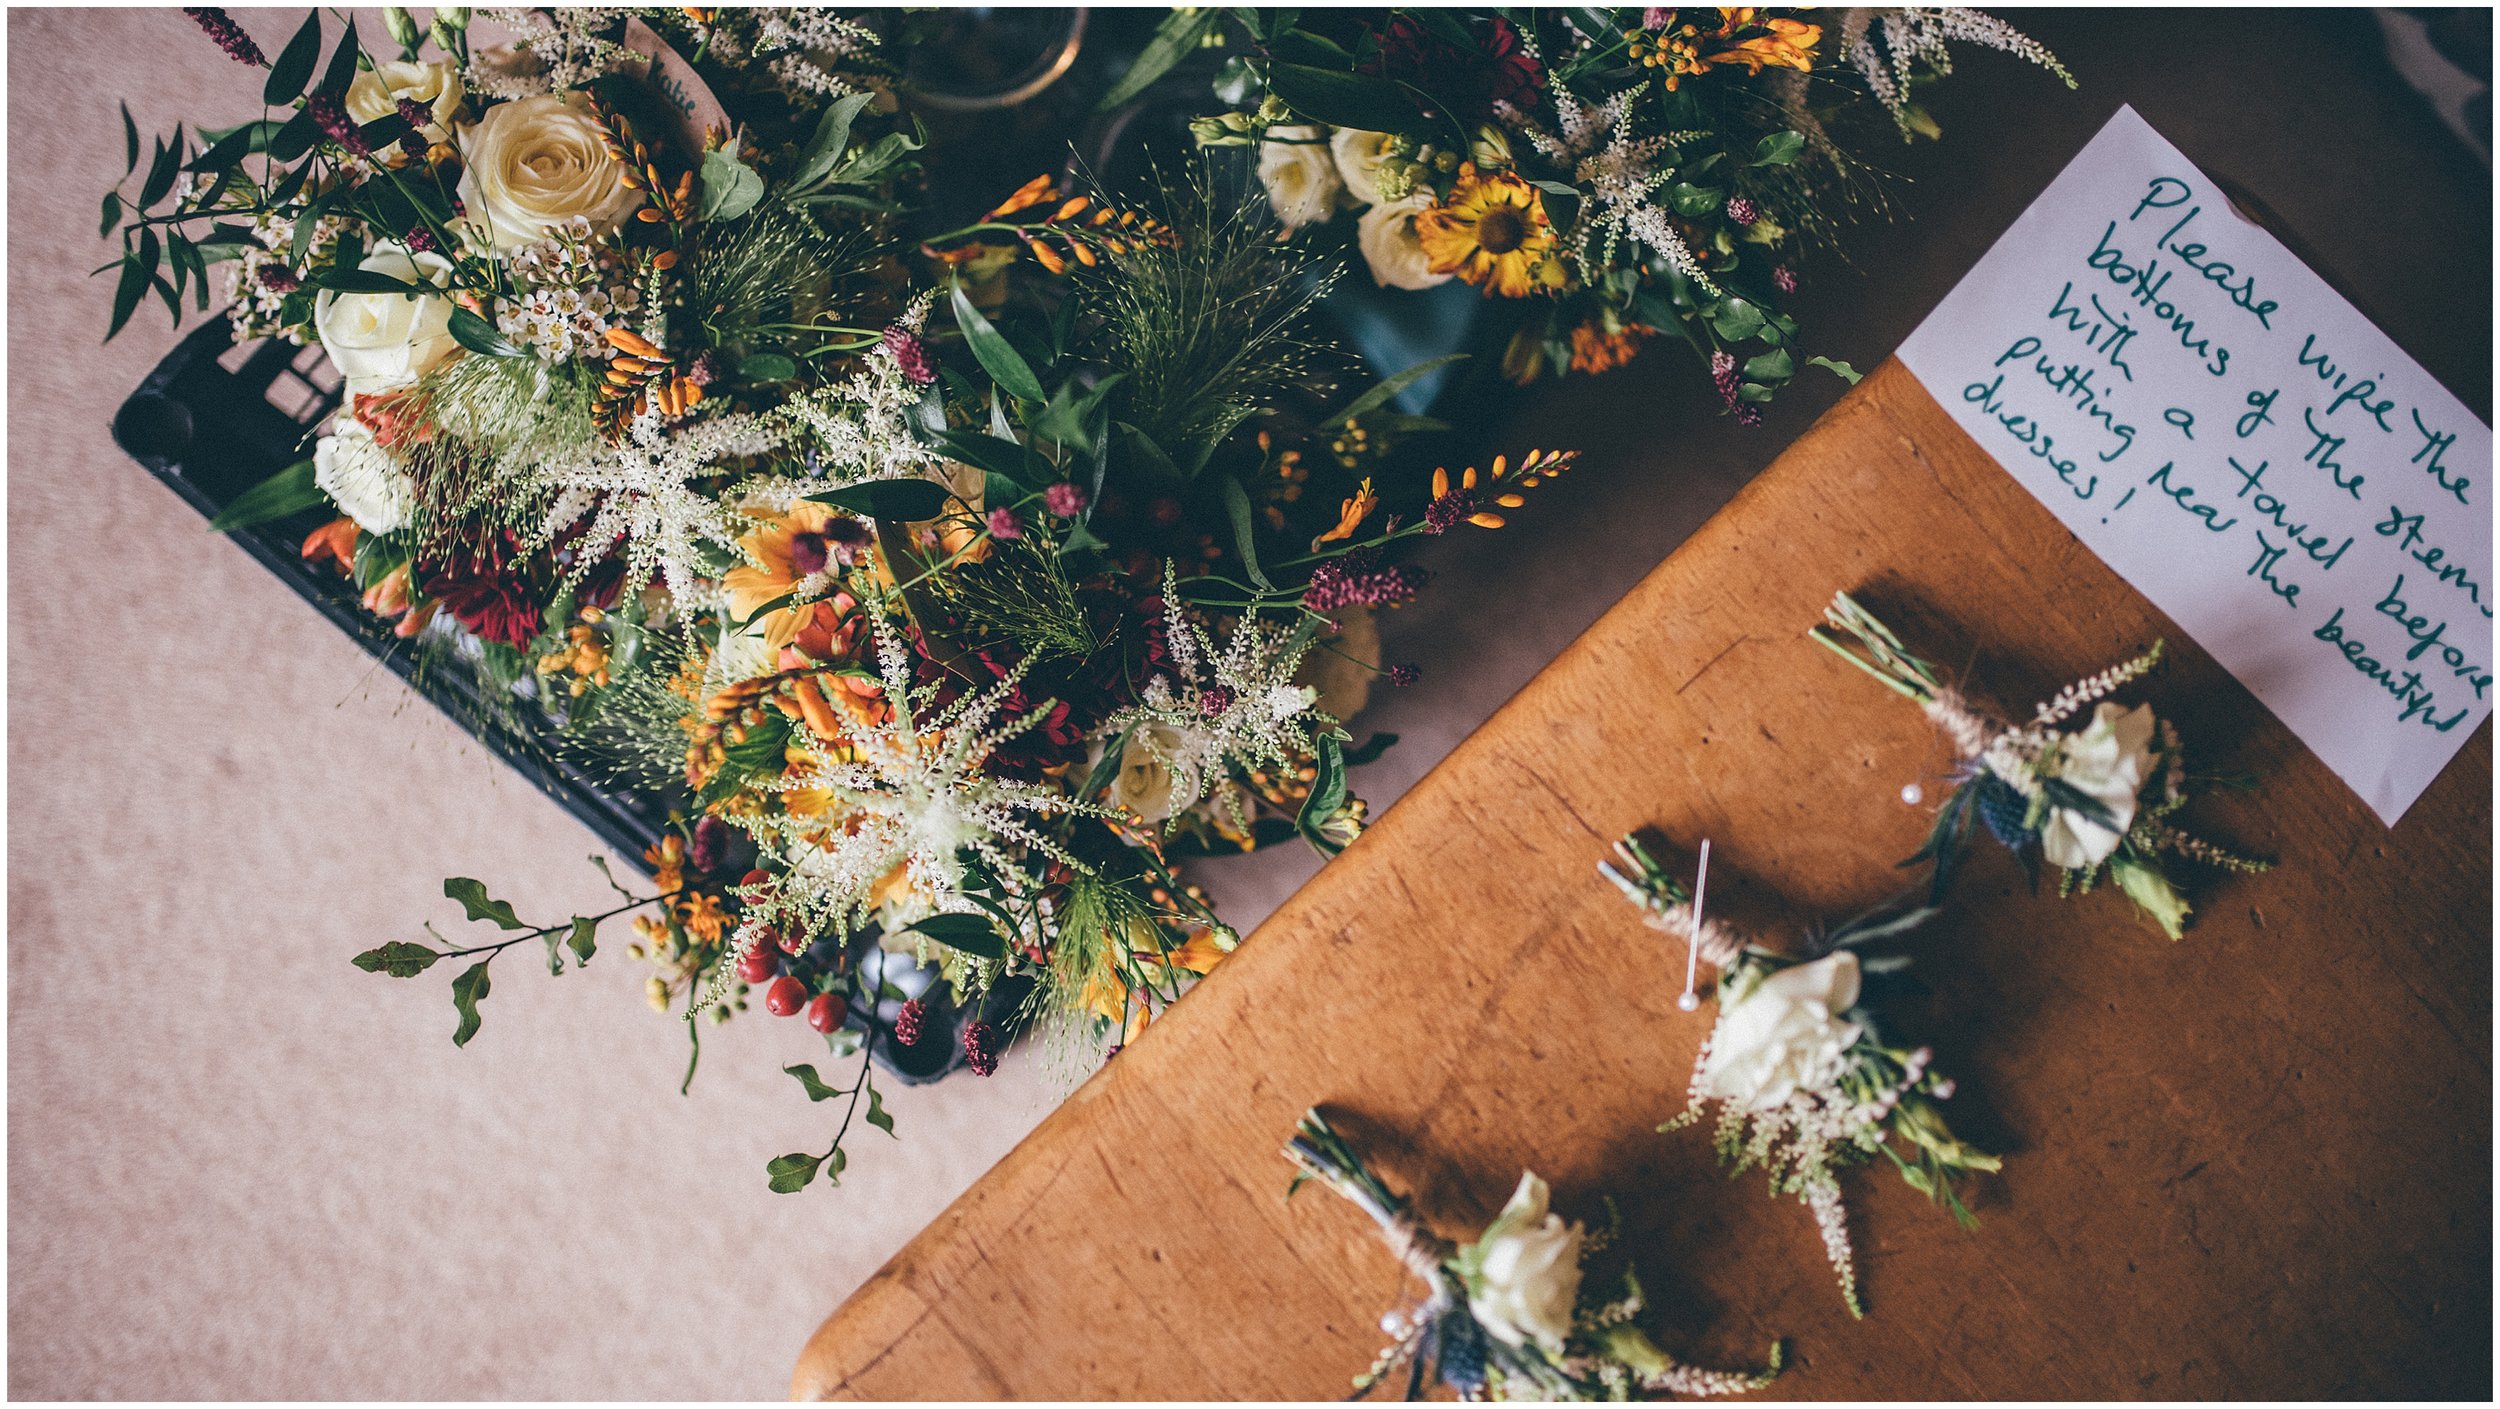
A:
[(960, 582), (2093, 799), (1511, 1315), (1805, 1082), (1617, 174)]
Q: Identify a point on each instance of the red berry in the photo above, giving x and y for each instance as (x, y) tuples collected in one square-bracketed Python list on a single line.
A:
[(826, 1011), (754, 878), (759, 964), (786, 996)]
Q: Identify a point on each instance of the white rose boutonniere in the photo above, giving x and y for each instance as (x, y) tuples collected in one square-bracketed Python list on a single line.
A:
[(535, 163), (367, 482), (379, 341), (1523, 1275), (1785, 1036), (2108, 760), (1303, 187), (375, 93), (1386, 234)]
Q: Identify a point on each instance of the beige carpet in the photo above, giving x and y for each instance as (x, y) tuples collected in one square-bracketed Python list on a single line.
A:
[(240, 1168)]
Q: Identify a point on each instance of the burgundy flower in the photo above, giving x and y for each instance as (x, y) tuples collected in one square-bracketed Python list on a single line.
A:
[(1742, 211), (1497, 69), (1449, 511), (329, 113), (1402, 676), (229, 36), (279, 279), (910, 354), (711, 844), (1784, 278), (420, 240), (1358, 580), (1064, 499), (1004, 524), (981, 1048), (484, 588)]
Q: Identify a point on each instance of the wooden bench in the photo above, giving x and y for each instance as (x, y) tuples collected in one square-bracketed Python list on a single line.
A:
[(2255, 1163)]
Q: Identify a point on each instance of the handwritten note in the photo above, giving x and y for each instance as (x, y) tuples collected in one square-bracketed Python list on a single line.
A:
[(2242, 446)]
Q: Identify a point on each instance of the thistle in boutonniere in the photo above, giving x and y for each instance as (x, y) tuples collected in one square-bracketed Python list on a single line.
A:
[(1805, 1083), (1510, 1315), (2092, 799)]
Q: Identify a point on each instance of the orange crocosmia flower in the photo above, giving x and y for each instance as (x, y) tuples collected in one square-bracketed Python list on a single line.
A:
[(1789, 44), (1351, 513), (334, 541)]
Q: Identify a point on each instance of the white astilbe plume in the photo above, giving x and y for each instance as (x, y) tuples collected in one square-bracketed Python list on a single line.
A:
[(1617, 175), (553, 50), (647, 489), (1918, 35), (912, 791), (807, 46), (1234, 706)]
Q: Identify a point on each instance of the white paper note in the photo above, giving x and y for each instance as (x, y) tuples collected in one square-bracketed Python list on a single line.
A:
[(2241, 445)]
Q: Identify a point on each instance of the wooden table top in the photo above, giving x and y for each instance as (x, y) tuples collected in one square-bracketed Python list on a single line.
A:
[(2255, 1163)]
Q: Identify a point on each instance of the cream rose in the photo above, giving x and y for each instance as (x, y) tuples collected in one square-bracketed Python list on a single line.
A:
[(1341, 679), (1146, 783), (1787, 1034), (367, 482), (1358, 156), (535, 163), (2108, 760), (379, 341), (1386, 233), (1523, 1275), (375, 93), (1300, 177)]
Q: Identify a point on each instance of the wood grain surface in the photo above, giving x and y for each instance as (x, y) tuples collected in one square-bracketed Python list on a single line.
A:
[(2255, 1163)]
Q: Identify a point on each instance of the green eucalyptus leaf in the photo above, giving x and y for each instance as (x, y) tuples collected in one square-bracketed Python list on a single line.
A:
[(877, 1114), (832, 138), (294, 67), (1778, 148), (1237, 509), (900, 500), (466, 991), (1378, 396), (1328, 787), (162, 169), (112, 214), (288, 492), (1693, 202), (584, 941), (472, 896), (130, 143), (342, 69), (1175, 39), (347, 279), (1344, 99), (399, 959), (767, 367), (997, 356), (1773, 366), (970, 933), (480, 336), (817, 1090), (791, 1173), (1841, 370), (1735, 319), (727, 187)]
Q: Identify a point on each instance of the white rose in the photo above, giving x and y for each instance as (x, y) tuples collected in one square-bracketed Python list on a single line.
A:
[(375, 93), (1358, 155), (379, 341), (1301, 180), (1386, 233), (1785, 1035), (535, 163), (1146, 783), (367, 482), (2108, 761), (1526, 1271)]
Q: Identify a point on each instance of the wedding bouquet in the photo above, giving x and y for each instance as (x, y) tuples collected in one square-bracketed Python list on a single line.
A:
[(1617, 173), (1510, 1315), (958, 582)]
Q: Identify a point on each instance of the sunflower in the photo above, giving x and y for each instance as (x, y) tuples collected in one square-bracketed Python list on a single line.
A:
[(785, 554), (1491, 232)]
